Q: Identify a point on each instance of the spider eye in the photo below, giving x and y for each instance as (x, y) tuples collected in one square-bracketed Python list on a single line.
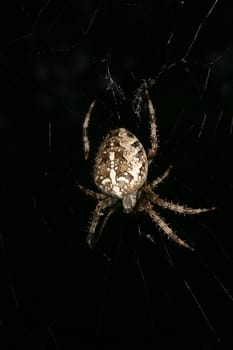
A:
[(129, 202)]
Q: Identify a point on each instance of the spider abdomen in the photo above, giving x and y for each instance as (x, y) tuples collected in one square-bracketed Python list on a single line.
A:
[(121, 164)]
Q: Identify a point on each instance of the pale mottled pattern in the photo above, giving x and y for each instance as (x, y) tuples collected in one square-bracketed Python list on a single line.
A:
[(121, 164)]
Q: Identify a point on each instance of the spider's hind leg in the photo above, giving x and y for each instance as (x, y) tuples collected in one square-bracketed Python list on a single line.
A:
[(153, 128), (86, 142)]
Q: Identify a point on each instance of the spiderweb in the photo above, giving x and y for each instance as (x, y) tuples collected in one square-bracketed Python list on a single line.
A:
[(56, 57)]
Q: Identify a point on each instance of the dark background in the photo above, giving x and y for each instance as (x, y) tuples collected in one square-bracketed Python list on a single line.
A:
[(56, 56)]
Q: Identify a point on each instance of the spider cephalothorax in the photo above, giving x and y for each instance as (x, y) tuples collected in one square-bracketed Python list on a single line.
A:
[(120, 173)]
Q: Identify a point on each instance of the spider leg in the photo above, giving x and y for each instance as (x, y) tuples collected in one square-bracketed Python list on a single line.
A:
[(153, 128), (98, 212), (164, 226), (159, 179), (178, 208), (91, 193), (86, 142), (100, 231)]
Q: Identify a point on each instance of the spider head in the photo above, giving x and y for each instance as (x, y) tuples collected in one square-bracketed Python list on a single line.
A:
[(129, 202)]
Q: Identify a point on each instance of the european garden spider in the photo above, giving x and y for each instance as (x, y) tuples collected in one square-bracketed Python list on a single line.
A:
[(120, 173)]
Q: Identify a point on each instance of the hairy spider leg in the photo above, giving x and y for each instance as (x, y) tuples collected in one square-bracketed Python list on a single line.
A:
[(153, 128), (105, 220), (98, 212), (177, 208), (86, 142), (91, 193), (159, 179), (163, 226)]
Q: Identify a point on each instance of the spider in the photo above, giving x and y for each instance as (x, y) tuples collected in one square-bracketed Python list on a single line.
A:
[(120, 173)]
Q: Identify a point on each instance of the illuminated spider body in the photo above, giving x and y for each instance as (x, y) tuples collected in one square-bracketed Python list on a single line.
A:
[(121, 167), (120, 173)]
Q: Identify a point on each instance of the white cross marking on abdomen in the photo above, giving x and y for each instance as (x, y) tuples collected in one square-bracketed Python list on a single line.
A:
[(112, 173)]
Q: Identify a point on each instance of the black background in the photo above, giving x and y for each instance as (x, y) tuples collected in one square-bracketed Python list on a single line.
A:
[(56, 56)]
